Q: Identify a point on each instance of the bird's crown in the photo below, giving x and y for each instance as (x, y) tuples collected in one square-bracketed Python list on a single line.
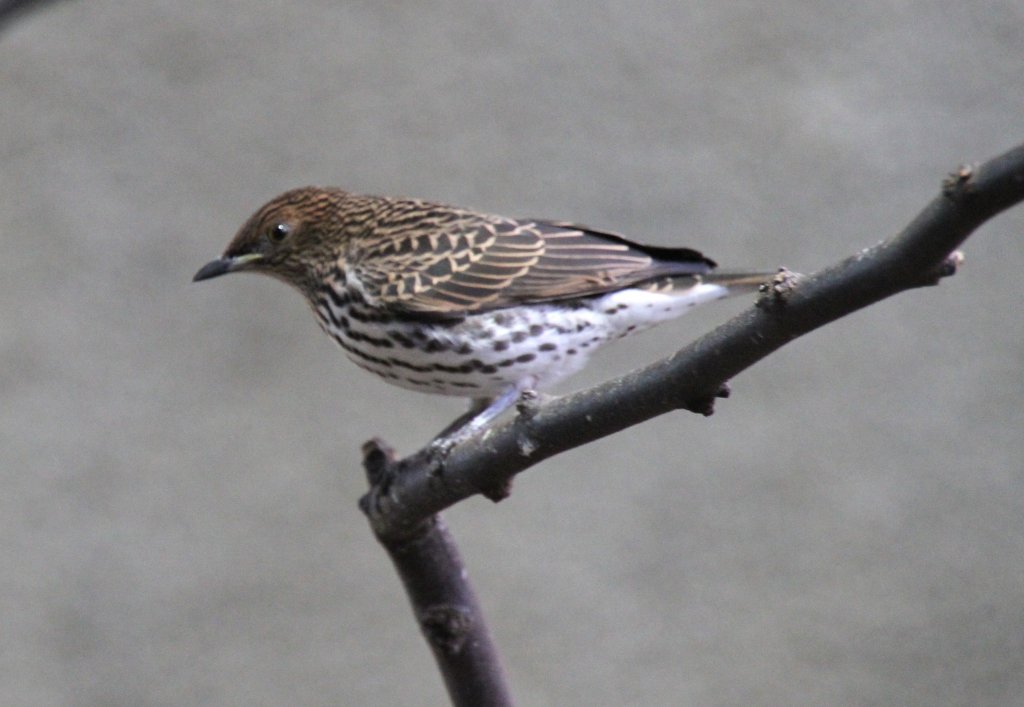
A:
[(294, 237)]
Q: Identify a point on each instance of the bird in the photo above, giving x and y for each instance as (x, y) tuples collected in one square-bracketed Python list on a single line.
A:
[(451, 301)]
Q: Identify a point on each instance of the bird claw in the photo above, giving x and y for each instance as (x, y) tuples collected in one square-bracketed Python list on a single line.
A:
[(529, 403), (437, 454)]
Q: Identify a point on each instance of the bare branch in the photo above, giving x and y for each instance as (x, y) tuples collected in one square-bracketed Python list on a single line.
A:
[(445, 605), (415, 488), (406, 495)]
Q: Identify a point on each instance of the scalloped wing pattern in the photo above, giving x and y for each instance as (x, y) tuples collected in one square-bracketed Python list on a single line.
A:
[(441, 261)]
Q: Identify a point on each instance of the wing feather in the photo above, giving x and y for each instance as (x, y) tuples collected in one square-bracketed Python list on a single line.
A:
[(449, 262)]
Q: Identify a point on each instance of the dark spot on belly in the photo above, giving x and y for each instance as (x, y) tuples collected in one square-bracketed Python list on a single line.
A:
[(401, 339)]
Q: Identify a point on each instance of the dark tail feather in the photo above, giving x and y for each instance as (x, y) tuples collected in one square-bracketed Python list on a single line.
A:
[(738, 280)]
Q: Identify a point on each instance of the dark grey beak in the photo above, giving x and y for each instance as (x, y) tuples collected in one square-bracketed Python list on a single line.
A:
[(214, 268), (222, 266)]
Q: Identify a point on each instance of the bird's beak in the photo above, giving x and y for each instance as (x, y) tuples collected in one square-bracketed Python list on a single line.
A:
[(222, 266)]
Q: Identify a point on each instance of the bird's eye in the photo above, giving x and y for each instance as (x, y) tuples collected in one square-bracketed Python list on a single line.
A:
[(279, 232)]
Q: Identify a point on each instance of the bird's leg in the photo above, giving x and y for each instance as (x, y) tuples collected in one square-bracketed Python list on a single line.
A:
[(477, 406), (481, 413)]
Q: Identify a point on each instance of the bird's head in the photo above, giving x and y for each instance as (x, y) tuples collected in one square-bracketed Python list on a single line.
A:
[(293, 238)]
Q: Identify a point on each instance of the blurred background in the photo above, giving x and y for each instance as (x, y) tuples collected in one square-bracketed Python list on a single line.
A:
[(180, 463)]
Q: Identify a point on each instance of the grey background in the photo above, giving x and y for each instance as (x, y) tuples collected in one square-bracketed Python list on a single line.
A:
[(178, 519)]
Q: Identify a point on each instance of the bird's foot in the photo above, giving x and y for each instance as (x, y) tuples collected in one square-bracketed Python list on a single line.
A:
[(481, 413), (529, 402), (437, 453)]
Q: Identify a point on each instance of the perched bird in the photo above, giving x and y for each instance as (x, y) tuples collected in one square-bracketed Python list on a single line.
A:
[(446, 300)]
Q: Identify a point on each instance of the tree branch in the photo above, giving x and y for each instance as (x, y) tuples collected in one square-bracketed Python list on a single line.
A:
[(414, 488), (445, 605), (406, 495)]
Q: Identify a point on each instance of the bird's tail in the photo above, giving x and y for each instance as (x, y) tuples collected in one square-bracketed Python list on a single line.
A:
[(738, 281)]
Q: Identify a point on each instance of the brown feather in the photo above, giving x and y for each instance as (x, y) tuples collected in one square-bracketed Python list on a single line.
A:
[(460, 262)]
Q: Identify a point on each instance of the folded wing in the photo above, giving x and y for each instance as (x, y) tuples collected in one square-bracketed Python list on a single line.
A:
[(452, 263)]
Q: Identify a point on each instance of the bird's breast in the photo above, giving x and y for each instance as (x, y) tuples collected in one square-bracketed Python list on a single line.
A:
[(482, 354)]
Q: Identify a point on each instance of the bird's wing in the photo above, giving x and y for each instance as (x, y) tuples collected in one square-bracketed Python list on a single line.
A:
[(448, 263)]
